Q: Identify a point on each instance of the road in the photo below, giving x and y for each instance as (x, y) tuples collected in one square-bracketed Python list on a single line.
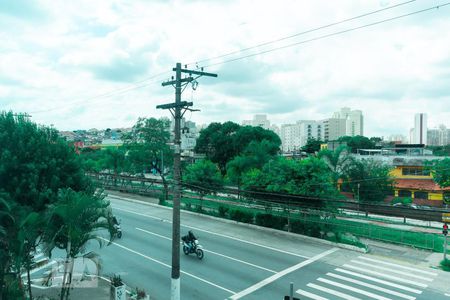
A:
[(244, 262)]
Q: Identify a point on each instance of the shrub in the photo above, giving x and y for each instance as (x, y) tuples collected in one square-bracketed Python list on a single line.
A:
[(445, 264), (223, 211), (162, 200), (269, 220), (241, 216)]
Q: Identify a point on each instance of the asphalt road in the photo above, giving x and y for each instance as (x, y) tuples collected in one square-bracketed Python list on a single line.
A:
[(243, 262)]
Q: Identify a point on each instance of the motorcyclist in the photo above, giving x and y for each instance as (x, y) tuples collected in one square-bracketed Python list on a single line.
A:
[(189, 239)]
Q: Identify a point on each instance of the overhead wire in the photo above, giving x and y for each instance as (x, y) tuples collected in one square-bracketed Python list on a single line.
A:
[(141, 84), (301, 33), (327, 35)]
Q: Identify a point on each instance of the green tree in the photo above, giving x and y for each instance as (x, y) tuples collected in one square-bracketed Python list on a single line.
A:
[(222, 142), (148, 148), (310, 177), (254, 156), (441, 172), (312, 146), (35, 163), (73, 221), (335, 160), (368, 179), (203, 177)]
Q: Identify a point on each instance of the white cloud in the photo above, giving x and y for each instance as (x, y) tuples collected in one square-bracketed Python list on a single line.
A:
[(58, 56)]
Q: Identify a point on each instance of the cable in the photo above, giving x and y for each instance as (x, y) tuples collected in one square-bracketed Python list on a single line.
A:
[(301, 33), (328, 35), (136, 85)]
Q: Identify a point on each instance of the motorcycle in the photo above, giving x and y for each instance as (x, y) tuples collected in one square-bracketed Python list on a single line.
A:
[(118, 230), (194, 247)]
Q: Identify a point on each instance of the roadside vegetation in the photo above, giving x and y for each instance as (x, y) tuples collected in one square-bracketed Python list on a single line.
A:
[(46, 202)]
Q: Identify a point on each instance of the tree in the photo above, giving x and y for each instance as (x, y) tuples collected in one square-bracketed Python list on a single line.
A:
[(312, 146), (35, 163), (335, 160), (310, 178), (254, 156), (148, 148), (203, 177), (368, 179), (441, 172), (73, 221), (222, 142)]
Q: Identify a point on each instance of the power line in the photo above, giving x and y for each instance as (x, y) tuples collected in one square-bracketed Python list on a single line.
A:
[(134, 86), (329, 35), (301, 33)]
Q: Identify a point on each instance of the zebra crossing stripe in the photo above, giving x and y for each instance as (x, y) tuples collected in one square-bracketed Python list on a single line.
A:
[(374, 287), (398, 266), (388, 283), (392, 271), (310, 295), (332, 292), (407, 281), (353, 289)]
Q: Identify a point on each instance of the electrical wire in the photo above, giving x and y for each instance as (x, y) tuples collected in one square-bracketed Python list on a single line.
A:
[(328, 35), (301, 33)]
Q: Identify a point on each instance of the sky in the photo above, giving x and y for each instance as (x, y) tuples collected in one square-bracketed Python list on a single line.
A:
[(100, 64)]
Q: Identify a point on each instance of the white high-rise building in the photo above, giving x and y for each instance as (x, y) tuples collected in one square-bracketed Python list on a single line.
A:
[(333, 128), (262, 121), (438, 136), (295, 136), (419, 134), (354, 121)]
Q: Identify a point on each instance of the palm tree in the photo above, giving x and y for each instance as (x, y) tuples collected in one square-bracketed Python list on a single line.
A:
[(335, 160), (73, 221)]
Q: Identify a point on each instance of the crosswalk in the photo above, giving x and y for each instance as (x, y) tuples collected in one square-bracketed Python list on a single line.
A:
[(369, 278)]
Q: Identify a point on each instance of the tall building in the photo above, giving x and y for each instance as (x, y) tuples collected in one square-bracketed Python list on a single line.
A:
[(354, 121), (419, 134), (295, 136), (262, 121), (438, 136), (333, 128)]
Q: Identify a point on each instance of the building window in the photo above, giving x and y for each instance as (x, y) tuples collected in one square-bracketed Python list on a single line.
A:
[(414, 171), (404, 193), (421, 195)]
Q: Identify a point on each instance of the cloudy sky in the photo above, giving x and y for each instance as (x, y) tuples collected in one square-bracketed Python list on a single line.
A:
[(84, 64)]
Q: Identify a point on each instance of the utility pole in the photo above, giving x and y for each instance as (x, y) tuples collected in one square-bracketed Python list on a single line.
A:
[(177, 110)]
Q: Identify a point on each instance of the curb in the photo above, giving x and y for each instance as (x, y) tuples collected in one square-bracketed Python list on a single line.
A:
[(253, 226)]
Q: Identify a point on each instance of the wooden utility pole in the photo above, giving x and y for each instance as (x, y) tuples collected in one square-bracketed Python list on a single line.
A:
[(177, 110)]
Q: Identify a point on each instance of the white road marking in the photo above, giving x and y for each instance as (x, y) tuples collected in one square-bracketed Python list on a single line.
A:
[(332, 292), (395, 285), (372, 286), (396, 278), (398, 266), (350, 288), (217, 234), (212, 252), (310, 295), (169, 266), (50, 263), (392, 271), (278, 275)]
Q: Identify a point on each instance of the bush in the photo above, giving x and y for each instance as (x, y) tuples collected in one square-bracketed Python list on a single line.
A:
[(116, 280), (241, 216), (162, 200), (271, 221), (223, 211), (402, 200), (445, 264)]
